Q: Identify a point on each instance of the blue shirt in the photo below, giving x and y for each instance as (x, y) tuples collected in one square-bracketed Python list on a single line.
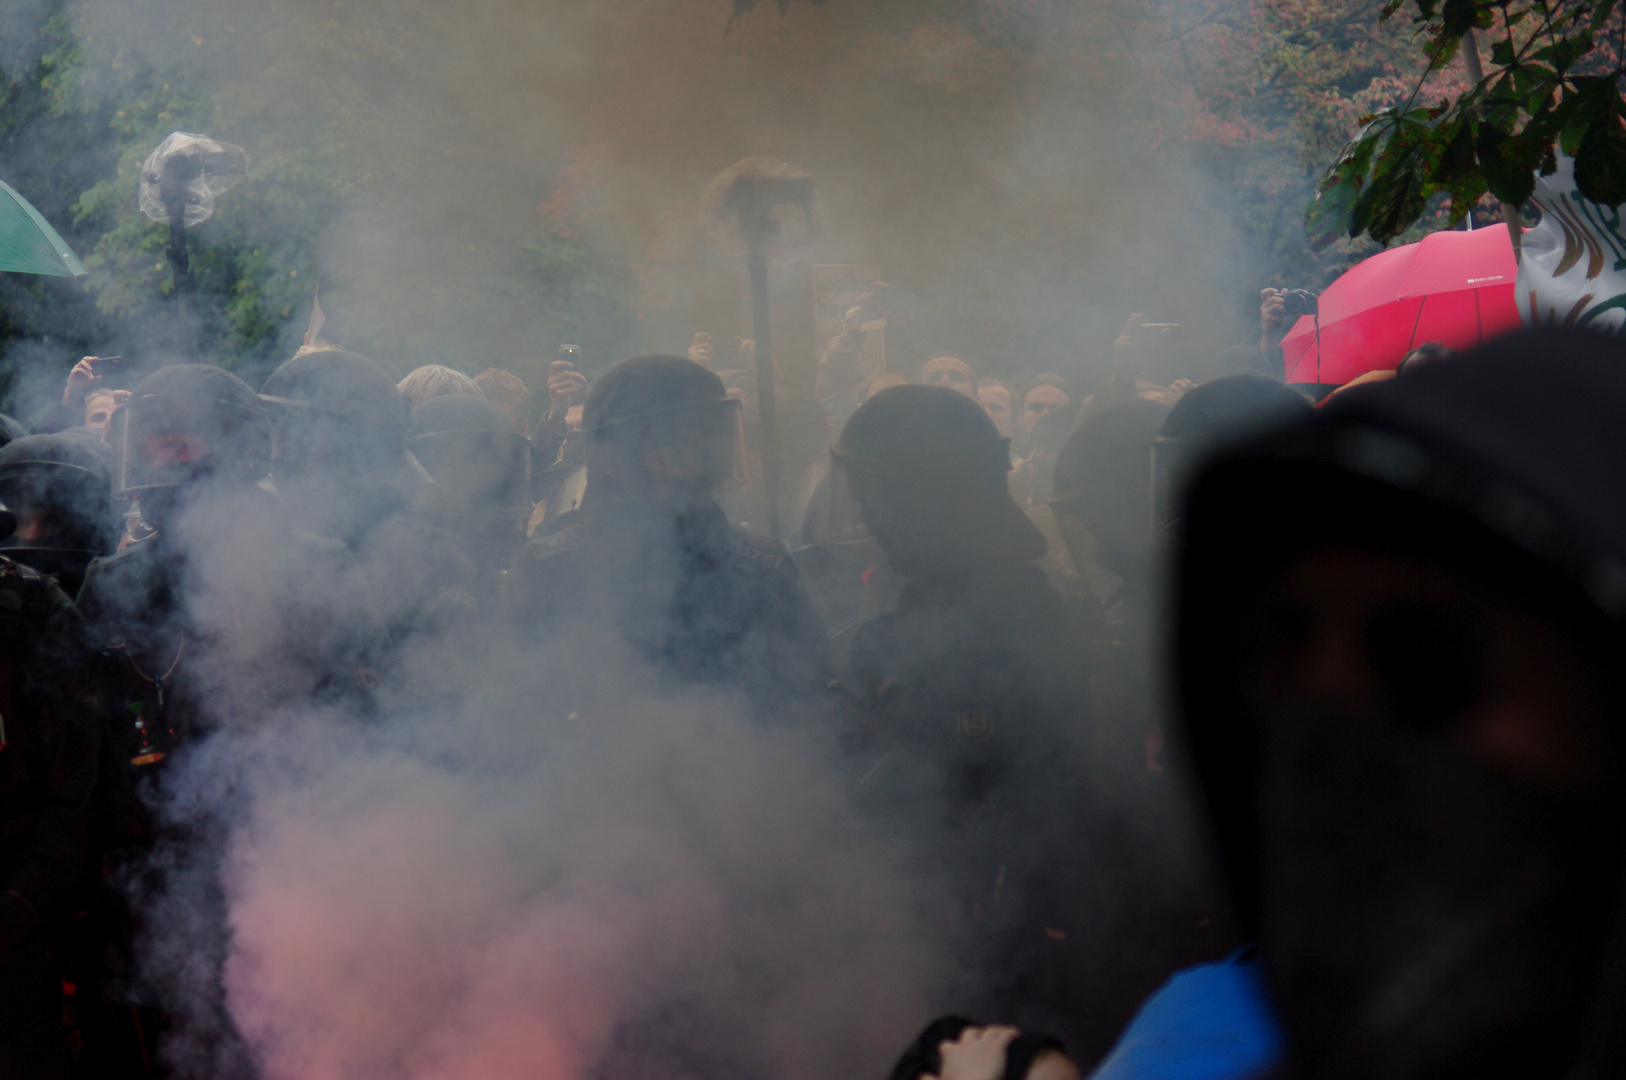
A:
[(1209, 1022)]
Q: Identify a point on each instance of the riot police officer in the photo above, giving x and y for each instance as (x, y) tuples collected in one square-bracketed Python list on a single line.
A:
[(341, 467), (648, 573), (224, 611), (60, 487), (224, 617), (50, 745), (482, 472)]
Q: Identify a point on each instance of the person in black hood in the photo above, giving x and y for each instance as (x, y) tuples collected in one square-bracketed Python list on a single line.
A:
[(972, 687), (60, 488), (1399, 641), (648, 569)]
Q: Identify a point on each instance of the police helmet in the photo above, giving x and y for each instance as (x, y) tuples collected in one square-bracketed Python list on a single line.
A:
[(335, 413), (481, 464), (187, 423), (659, 403)]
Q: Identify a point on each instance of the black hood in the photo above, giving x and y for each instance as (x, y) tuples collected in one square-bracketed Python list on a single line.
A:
[(1513, 455)]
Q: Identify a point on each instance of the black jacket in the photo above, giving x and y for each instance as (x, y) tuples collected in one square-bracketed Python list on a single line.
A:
[(689, 596)]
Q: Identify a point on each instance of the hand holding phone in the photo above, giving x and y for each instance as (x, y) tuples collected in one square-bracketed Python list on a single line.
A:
[(80, 380), (565, 384)]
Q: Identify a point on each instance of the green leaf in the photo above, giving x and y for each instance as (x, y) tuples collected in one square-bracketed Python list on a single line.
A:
[(1563, 53), (1397, 197), (1600, 161), (1506, 163), (1458, 17), (1456, 172), (1329, 214), (1589, 97)]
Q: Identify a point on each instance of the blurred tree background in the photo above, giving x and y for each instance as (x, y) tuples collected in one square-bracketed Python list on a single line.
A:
[(390, 166), (78, 117)]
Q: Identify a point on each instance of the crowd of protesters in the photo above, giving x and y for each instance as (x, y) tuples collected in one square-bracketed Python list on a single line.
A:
[(1391, 622)]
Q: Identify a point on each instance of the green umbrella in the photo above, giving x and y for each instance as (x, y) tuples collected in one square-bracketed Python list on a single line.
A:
[(28, 244)]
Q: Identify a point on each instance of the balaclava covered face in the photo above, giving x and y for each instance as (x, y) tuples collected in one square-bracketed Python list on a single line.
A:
[(1434, 893)]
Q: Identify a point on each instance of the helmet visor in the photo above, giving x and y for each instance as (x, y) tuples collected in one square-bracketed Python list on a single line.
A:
[(478, 473), (166, 440)]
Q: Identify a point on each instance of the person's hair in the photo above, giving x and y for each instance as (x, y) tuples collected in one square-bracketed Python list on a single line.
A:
[(920, 372), (93, 395), (1026, 1049), (1429, 352), (504, 388), (1047, 380), (432, 380)]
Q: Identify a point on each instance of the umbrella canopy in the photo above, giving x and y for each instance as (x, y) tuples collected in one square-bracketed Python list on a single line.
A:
[(28, 244), (1452, 287)]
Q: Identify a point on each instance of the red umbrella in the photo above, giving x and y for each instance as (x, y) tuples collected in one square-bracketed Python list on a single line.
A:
[(1451, 287)]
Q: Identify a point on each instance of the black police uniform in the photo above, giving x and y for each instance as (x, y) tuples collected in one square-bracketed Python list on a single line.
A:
[(481, 469), (225, 617), (343, 470), (50, 748), (972, 686), (698, 600)]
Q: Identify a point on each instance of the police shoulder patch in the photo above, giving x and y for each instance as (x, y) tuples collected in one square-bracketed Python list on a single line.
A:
[(566, 539), (754, 547)]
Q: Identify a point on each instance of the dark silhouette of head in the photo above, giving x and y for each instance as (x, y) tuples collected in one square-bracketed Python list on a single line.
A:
[(660, 430), (191, 432), (929, 468)]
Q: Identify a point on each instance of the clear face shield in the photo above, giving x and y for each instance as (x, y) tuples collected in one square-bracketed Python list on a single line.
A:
[(695, 450), (56, 506), (841, 559), (309, 440), (167, 441), (720, 426), (478, 473)]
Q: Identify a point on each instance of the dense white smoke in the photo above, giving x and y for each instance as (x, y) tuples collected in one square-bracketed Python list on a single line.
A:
[(671, 890), (667, 887)]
